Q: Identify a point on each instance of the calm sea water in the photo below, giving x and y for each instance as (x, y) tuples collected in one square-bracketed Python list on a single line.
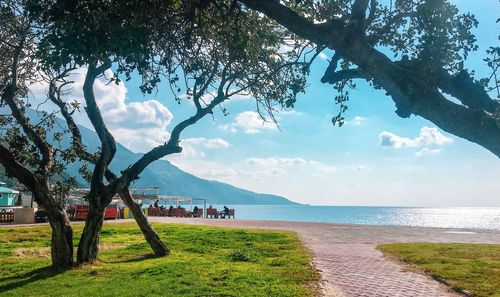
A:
[(456, 217)]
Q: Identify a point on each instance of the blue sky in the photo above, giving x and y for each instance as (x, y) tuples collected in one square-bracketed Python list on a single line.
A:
[(376, 158)]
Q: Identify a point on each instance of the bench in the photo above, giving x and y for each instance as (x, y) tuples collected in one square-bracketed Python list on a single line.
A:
[(179, 212), (212, 213), (154, 212), (229, 214)]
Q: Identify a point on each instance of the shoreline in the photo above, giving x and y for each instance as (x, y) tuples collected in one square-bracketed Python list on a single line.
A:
[(348, 233), (188, 220)]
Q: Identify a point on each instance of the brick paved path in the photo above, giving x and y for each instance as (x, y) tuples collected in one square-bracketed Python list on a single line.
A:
[(361, 270)]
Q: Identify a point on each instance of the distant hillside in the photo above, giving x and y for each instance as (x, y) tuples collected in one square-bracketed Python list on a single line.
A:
[(172, 180)]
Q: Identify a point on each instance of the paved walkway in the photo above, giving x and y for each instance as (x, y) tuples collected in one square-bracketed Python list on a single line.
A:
[(348, 261)]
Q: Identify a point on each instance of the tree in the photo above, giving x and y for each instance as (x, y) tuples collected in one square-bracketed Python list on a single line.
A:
[(430, 41), (217, 50), (25, 151)]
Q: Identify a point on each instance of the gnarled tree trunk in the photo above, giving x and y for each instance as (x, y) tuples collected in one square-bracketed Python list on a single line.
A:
[(88, 247), (160, 249), (62, 231), (62, 237)]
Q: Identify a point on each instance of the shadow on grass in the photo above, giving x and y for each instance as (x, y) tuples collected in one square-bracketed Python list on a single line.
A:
[(138, 258), (29, 277)]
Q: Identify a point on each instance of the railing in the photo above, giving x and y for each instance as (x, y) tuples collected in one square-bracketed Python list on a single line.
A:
[(6, 217)]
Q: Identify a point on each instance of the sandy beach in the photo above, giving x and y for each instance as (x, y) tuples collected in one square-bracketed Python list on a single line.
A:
[(347, 258)]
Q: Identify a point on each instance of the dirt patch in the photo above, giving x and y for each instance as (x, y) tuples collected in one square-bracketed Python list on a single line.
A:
[(44, 252)]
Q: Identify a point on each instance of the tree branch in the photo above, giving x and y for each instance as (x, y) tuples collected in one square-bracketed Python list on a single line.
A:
[(297, 24), (341, 75), (171, 147), (358, 16), (108, 142), (463, 87), (16, 169), (76, 137), (9, 96)]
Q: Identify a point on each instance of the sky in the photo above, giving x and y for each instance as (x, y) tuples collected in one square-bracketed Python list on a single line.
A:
[(375, 159)]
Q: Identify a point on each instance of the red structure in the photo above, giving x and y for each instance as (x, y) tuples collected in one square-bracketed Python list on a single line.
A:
[(212, 212), (82, 211)]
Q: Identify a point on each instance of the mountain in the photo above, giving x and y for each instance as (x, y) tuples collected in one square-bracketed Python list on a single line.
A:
[(172, 180)]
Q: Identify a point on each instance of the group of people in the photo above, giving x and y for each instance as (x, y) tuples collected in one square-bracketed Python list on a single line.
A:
[(224, 213), (162, 207), (156, 204)]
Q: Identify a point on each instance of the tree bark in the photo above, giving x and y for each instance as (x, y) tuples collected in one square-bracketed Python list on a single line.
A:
[(159, 248), (62, 232), (88, 247), (62, 237)]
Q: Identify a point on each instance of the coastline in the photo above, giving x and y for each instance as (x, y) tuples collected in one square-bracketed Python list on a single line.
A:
[(441, 217), (389, 232), (353, 233)]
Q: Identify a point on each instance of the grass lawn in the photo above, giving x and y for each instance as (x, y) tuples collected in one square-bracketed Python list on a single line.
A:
[(205, 261), (473, 267)]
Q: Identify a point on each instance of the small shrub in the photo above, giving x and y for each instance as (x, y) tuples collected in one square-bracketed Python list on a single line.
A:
[(243, 255)]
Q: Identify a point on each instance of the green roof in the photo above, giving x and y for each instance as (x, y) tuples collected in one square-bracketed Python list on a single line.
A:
[(7, 190)]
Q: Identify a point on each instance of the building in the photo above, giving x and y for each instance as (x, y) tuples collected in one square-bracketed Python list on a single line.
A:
[(8, 197)]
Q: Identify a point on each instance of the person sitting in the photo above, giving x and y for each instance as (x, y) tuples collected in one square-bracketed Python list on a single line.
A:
[(225, 212), (156, 203)]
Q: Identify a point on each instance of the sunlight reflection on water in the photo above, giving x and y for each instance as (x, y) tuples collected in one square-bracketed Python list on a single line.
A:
[(453, 217)]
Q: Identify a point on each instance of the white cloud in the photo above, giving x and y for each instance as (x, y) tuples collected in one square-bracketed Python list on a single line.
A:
[(192, 147), (275, 161), (427, 136), (213, 143), (427, 152), (228, 128), (278, 164), (188, 151), (357, 121), (140, 140), (249, 122), (217, 143), (139, 126), (289, 112)]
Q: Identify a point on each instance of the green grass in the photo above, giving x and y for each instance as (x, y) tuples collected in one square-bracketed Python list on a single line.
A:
[(473, 267), (205, 261)]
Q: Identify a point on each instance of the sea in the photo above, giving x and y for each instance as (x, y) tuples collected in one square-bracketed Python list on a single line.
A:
[(485, 218)]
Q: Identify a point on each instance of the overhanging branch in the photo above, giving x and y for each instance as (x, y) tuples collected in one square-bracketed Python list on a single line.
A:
[(337, 76), (412, 91), (463, 87)]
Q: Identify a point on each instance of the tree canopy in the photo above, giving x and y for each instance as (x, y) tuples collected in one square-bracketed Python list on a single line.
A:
[(210, 51), (430, 40)]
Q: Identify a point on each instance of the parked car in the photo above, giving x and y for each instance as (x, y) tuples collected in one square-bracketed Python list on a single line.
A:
[(41, 216)]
